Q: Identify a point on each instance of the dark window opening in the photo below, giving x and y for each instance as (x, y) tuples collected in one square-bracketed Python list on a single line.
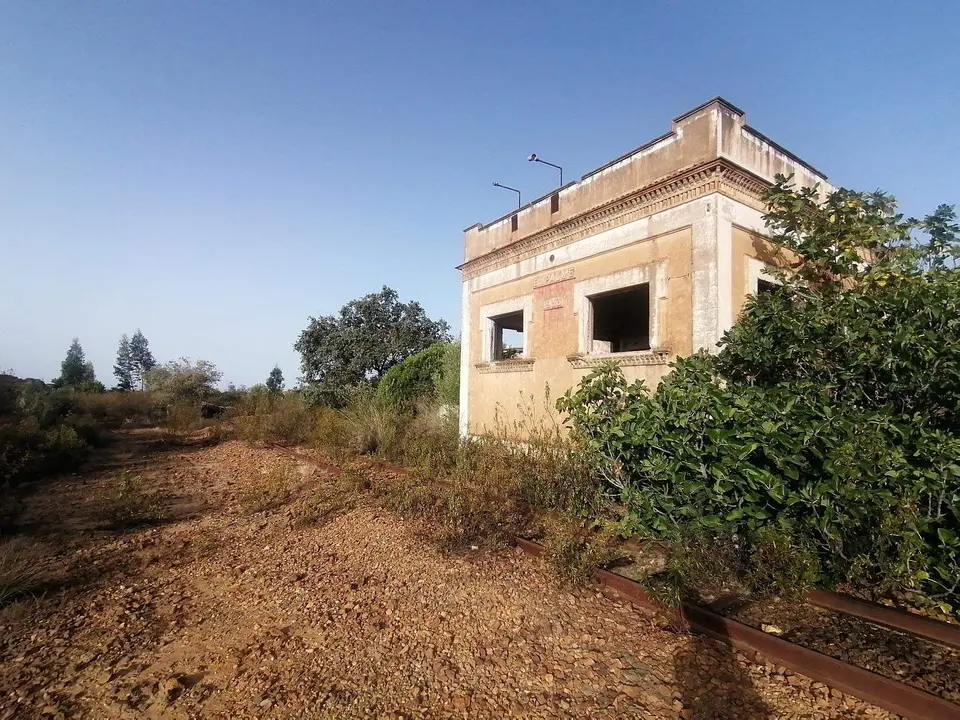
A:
[(508, 336), (513, 223), (621, 320), (765, 287), (555, 203)]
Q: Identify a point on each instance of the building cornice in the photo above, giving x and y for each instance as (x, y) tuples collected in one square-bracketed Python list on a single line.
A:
[(713, 177)]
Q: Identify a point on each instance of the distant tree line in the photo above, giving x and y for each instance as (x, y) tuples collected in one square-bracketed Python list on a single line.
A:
[(339, 353)]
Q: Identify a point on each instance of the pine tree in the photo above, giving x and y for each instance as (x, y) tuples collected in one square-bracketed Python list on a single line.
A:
[(141, 359), (123, 370), (75, 370), (275, 380)]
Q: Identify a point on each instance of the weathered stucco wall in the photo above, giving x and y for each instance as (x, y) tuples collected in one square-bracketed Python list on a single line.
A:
[(495, 393)]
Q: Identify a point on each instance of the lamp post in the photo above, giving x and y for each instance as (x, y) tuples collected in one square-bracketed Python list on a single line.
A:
[(534, 158), (496, 184)]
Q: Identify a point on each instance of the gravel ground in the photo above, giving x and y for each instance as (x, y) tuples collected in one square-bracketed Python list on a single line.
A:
[(223, 611)]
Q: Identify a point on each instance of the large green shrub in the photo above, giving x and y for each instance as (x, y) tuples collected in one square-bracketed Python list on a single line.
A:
[(447, 382), (415, 378), (892, 345), (830, 415), (876, 493), (183, 382)]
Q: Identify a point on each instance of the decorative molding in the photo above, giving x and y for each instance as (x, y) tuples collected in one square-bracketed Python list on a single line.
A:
[(554, 276), (627, 359), (500, 366), (716, 176), (743, 186)]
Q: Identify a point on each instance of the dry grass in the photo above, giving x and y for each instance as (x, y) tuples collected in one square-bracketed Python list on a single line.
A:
[(371, 427), (264, 417), (331, 433), (117, 408), (125, 503), (273, 489), (575, 556), (476, 492), (21, 568), (10, 509), (493, 492), (334, 498)]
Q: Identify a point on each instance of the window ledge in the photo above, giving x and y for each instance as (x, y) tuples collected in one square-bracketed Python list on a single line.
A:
[(659, 356), (512, 365)]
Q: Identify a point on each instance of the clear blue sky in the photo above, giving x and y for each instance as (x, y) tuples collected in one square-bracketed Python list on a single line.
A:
[(215, 172)]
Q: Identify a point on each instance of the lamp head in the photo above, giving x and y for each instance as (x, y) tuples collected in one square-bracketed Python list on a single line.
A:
[(533, 158)]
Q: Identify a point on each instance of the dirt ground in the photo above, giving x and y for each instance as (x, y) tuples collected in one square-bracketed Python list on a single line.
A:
[(226, 611)]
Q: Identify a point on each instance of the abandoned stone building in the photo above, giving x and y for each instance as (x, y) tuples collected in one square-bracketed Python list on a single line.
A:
[(645, 259)]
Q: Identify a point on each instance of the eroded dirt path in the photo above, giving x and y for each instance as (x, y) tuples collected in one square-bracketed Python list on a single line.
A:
[(226, 612)]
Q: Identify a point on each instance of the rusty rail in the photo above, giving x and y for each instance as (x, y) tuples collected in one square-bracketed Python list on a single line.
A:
[(928, 628), (891, 695)]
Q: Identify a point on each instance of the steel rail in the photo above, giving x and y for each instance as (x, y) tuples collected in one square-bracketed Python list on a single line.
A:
[(891, 695)]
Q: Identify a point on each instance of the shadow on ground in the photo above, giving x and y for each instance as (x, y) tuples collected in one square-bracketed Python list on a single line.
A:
[(714, 685)]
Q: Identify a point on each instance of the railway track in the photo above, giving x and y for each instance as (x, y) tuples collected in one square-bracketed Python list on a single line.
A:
[(884, 692)]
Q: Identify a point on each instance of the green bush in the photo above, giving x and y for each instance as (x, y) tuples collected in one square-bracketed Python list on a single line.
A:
[(830, 416), (46, 430), (892, 343), (183, 382), (28, 450), (447, 381), (125, 503), (877, 495), (86, 427), (414, 379)]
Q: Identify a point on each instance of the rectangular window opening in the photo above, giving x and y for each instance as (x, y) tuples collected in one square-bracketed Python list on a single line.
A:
[(621, 320), (765, 287), (508, 336), (555, 203), (513, 223)]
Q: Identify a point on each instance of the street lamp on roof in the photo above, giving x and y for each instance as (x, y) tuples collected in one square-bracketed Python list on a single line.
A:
[(505, 187), (534, 158)]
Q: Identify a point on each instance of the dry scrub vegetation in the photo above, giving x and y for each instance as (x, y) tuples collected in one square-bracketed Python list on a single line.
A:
[(21, 568), (473, 493)]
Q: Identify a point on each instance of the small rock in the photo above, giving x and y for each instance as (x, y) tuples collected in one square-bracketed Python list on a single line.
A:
[(169, 685)]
